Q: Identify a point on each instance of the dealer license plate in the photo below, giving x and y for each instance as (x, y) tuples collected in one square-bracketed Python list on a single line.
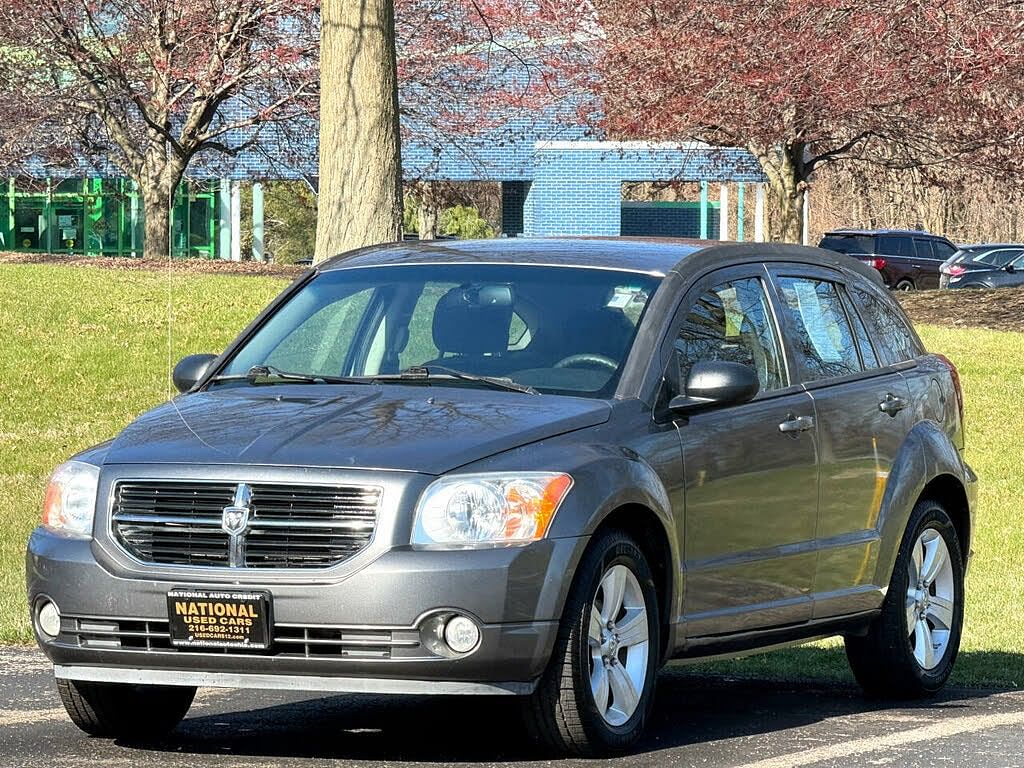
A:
[(219, 618)]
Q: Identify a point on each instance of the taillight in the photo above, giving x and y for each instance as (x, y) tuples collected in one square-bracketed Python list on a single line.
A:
[(957, 387), (878, 264), (956, 270)]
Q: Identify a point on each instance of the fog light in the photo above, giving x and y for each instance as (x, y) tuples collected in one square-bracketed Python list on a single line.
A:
[(48, 619), (461, 634)]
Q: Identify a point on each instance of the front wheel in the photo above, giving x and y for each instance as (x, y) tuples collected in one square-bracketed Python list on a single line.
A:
[(118, 710), (598, 689), (909, 650)]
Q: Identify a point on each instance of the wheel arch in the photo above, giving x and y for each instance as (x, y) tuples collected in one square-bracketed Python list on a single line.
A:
[(646, 529), (928, 465), (949, 491)]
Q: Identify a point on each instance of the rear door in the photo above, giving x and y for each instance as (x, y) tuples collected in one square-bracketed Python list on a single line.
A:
[(862, 416), (926, 263), (899, 256), (750, 470)]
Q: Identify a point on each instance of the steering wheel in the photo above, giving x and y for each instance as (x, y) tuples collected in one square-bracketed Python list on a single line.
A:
[(587, 360)]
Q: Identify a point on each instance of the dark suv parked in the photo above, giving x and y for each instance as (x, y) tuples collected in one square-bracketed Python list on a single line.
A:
[(907, 260), (539, 468), (984, 266)]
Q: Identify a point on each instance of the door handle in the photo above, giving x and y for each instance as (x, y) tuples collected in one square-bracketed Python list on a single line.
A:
[(892, 404), (794, 425)]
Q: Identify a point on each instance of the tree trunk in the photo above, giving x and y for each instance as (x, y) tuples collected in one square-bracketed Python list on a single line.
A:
[(787, 225), (783, 166), (429, 211), (360, 200), (156, 211), (157, 184)]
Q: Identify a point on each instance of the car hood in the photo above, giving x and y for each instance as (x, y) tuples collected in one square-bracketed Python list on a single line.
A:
[(414, 428)]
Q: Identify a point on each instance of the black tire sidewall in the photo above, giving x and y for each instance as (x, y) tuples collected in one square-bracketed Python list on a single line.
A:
[(614, 550), (929, 515)]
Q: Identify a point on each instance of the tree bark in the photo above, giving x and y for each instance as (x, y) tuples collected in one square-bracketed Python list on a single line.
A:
[(156, 211), (429, 211), (158, 181), (360, 200), (783, 166)]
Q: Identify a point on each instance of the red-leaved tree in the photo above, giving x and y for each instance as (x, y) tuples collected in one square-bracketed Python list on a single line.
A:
[(497, 67), (905, 84), (147, 85)]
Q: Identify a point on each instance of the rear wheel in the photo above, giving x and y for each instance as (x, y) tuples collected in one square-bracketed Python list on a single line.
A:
[(910, 649), (117, 710), (598, 689), (904, 285)]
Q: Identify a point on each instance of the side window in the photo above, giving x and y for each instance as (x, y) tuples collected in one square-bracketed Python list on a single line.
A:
[(732, 322), (896, 246), (923, 249), (824, 340), (892, 333), (943, 250), (321, 343), (867, 353)]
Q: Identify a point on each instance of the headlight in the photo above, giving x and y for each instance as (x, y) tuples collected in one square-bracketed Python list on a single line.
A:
[(489, 508), (71, 498)]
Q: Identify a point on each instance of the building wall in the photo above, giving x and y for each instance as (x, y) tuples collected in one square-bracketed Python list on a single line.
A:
[(666, 219), (577, 186)]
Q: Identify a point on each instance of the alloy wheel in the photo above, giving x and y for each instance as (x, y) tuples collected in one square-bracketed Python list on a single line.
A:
[(619, 645), (931, 596)]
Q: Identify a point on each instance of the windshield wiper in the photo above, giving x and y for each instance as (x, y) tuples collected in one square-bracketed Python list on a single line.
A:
[(271, 375), (426, 372)]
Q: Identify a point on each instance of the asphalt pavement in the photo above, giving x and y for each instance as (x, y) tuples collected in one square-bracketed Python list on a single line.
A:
[(698, 720)]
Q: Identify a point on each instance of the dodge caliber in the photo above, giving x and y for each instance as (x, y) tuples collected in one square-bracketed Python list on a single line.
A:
[(529, 468)]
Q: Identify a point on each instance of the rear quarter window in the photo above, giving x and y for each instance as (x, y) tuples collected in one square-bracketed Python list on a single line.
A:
[(848, 243), (893, 335)]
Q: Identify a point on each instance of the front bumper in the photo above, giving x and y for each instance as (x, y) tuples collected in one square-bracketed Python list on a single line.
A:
[(360, 632)]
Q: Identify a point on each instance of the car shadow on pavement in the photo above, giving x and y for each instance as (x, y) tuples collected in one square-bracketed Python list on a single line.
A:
[(693, 707)]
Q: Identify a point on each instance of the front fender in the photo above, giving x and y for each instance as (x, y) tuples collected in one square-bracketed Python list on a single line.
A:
[(605, 479), (926, 454)]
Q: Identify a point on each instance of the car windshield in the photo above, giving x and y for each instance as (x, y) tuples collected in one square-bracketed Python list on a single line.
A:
[(560, 330)]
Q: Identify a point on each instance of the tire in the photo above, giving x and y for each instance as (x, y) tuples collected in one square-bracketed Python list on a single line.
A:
[(904, 285), (116, 710), (891, 661), (563, 713)]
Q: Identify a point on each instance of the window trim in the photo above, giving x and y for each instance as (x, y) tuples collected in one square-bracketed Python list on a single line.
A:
[(900, 365), (706, 282), (851, 314), (824, 276)]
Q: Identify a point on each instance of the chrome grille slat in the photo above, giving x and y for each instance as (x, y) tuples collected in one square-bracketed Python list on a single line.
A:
[(288, 640), (165, 522)]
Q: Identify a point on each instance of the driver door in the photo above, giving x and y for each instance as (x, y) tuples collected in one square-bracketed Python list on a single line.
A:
[(750, 470)]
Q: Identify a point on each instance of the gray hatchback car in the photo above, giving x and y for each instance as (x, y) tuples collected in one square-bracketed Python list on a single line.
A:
[(538, 468)]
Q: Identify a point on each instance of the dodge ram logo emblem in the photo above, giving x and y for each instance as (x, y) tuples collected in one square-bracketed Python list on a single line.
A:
[(234, 522)]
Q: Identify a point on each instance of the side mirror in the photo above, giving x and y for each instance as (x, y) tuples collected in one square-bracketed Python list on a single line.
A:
[(1010, 268), (717, 383), (190, 370)]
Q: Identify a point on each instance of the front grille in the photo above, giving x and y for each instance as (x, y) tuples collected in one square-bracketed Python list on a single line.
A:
[(289, 640), (290, 526)]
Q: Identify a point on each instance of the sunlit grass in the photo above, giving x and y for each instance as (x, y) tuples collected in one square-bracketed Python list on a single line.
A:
[(84, 350)]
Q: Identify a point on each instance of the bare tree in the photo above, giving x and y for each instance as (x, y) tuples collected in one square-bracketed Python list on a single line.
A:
[(147, 85)]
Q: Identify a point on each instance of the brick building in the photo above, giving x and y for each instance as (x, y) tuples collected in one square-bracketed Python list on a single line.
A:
[(555, 180)]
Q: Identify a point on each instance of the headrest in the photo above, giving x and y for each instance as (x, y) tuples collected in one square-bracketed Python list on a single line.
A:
[(473, 319)]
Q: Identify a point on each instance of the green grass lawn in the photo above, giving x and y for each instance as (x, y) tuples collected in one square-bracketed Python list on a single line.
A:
[(85, 350)]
